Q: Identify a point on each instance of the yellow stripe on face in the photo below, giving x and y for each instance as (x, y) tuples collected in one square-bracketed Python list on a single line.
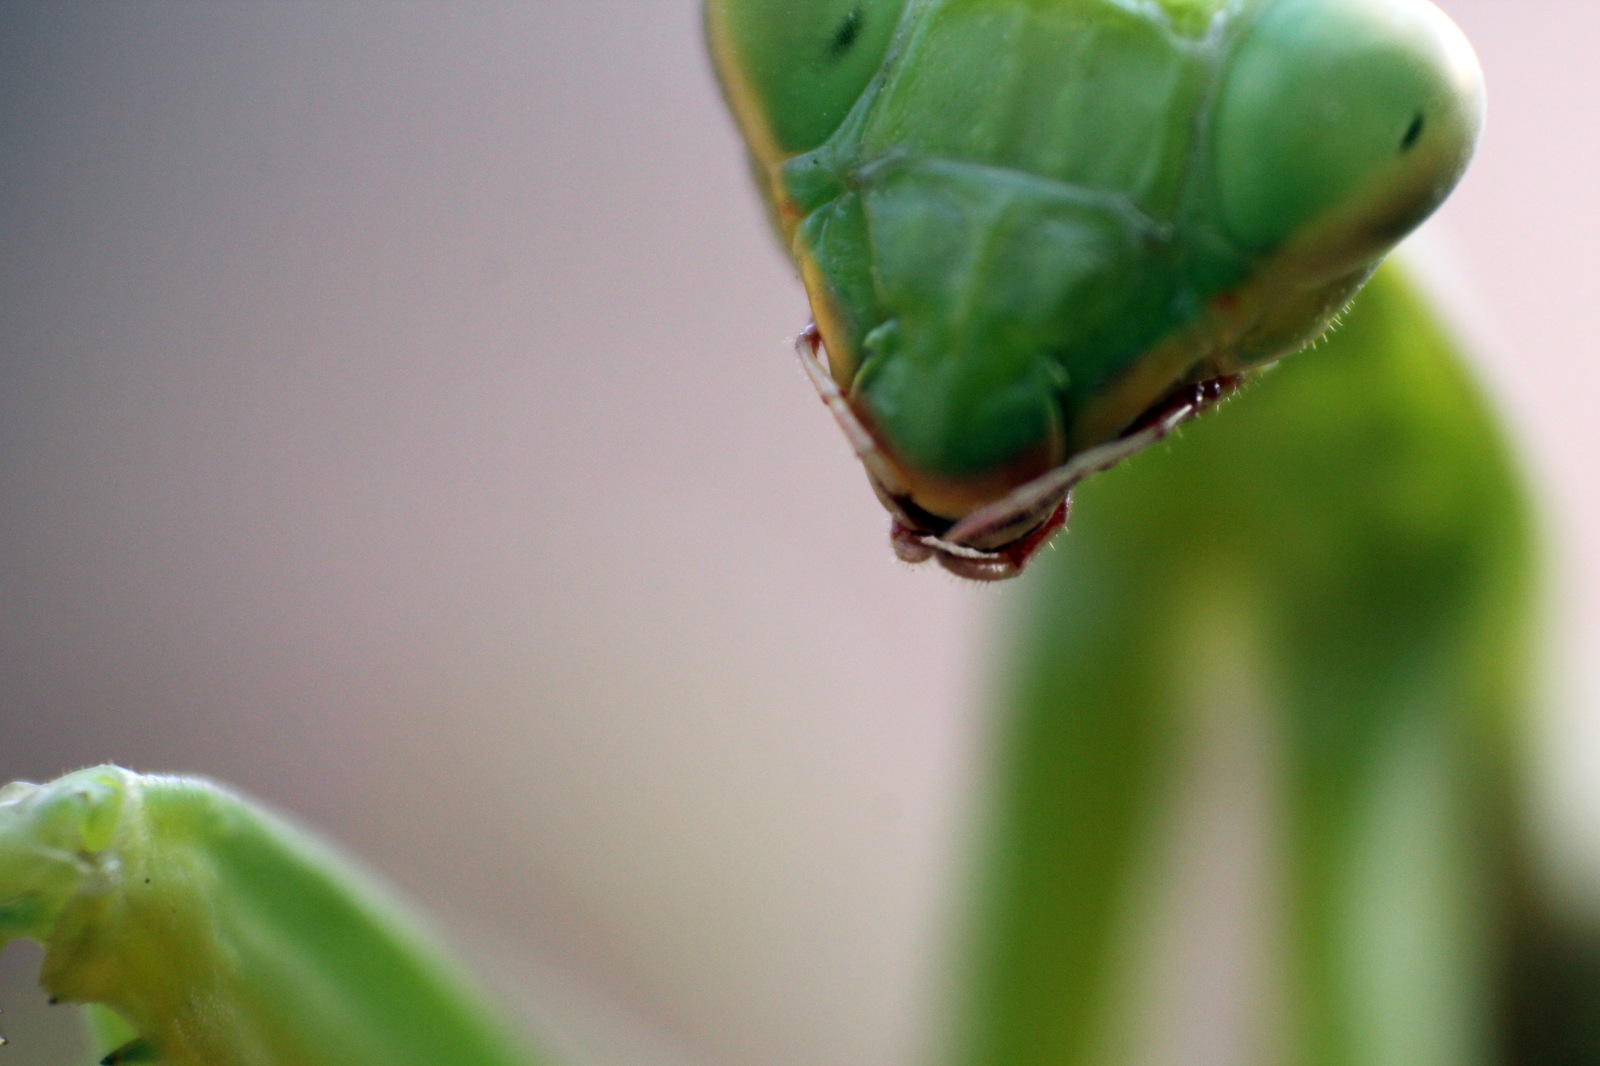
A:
[(747, 110), (842, 360)]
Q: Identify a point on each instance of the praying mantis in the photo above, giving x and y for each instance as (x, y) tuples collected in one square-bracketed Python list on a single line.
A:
[(1342, 554)]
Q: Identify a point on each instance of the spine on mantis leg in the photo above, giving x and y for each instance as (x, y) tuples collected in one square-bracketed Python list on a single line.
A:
[(1338, 565), (224, 936)]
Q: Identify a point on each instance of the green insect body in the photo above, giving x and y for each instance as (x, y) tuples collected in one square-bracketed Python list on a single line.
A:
[(1035, 231), (1337, 573), (224, 936)]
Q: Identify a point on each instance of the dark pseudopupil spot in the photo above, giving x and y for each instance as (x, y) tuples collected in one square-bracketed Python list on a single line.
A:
[(1413, 133), (845, 37)]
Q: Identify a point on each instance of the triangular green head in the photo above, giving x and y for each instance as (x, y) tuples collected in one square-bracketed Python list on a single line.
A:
[(1033, 229)]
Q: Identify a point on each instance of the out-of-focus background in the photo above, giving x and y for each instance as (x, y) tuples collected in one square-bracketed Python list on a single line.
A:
[(397, 421)]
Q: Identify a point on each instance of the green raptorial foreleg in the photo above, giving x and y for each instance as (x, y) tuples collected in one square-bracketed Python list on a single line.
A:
[(221, 935), (1343, 555)]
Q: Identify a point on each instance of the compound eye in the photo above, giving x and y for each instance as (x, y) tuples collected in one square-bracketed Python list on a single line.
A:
[(793, 70), (1355, 115)]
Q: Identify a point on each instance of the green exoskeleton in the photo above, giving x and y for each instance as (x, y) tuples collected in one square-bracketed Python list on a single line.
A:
[(1326, 589), (1039, 234), (222, 935)]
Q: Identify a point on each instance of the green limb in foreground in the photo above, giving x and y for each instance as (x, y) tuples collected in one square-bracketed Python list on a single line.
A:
[(224, 936), (1342, 558)]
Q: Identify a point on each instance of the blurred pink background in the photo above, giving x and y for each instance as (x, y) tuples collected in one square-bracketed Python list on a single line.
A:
[(397, 420)]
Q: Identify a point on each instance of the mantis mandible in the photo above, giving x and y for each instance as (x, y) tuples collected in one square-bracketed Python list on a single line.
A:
[(1038, 236)]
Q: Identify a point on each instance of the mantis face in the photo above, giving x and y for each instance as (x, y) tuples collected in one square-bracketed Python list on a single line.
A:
[(1037, 235)]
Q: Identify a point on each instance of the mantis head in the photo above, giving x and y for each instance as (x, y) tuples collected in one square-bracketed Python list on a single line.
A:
[(1038, 235)]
